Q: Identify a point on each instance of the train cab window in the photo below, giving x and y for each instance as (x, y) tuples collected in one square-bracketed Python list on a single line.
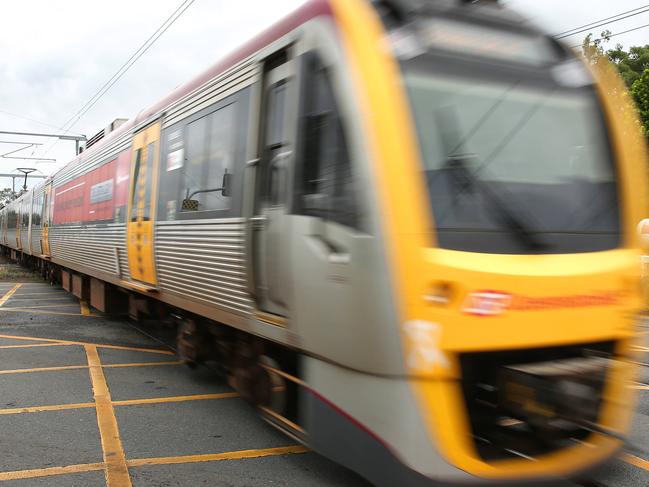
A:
[(210, 149), (326, 184)]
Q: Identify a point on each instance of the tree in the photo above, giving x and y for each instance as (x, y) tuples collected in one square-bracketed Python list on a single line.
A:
[(640, 93), (6, 195), (633, 66)]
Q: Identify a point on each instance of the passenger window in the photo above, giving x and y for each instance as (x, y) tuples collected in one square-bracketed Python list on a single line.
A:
[(210, 149), (327, 184)]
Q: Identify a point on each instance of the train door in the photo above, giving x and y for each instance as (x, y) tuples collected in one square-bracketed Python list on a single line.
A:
[(19, 213), (141, 205), (274, 176), (30, 210), (45, 219)]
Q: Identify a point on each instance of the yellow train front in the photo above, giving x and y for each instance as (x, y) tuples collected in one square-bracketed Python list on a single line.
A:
[(509, 180)]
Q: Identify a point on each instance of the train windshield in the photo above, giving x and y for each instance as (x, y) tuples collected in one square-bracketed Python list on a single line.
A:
[(513, 165)]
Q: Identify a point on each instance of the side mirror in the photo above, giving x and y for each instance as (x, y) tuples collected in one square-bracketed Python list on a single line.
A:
[(226, 184)]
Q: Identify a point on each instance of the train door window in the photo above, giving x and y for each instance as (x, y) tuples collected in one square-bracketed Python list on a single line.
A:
[(326, 184), (143, 181), (137, 182), (275, 141), (148, 184), (211, 146)]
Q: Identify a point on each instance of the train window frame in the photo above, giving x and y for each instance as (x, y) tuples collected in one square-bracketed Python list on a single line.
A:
[(311, 65), (171, 189)]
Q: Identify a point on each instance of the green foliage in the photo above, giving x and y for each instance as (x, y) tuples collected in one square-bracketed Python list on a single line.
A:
[(633, 66), (640, 94)]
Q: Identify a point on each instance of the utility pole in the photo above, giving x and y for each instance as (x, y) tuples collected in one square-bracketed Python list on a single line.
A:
[(25, 171)]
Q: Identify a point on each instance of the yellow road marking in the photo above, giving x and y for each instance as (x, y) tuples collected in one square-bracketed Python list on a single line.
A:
[(62, 305), (641, 387), (127, 402), (43, 369), (2, 347), (635, 461), (17, 297), (232, 455), (61, 293), (90, 467), (85, 309), (46, 472), (143, 364), (53, 407), (41, 312), (73, 367), (132, 349), (162, 400), (116, 470), (98, 345), (9, 293)]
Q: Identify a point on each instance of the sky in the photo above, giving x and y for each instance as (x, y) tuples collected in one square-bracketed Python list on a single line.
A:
[(56, 55)]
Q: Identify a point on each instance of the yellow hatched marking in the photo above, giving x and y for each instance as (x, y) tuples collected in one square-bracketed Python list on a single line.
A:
[(61, 305), (47, 472), (53, 407), (85, 309), (162, 400), (116, 470), (27, 345), (233, 455), (56, 293), (73, 367), (127, 402), (40, 312), (635, 461), (143, 364), (17, 298), (69, 342), (9, 293), (43, 369)]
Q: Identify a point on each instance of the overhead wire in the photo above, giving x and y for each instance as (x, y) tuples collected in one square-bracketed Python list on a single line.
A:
[(137, 54), (616, 34), (592, 25), (32, 120)]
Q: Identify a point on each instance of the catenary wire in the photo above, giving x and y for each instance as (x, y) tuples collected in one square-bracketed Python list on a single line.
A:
[(591, 25), (180, 10), (616, 34)]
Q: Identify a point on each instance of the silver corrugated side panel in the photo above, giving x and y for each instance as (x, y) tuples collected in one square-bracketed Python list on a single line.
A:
[(204, 260), (92, 246)]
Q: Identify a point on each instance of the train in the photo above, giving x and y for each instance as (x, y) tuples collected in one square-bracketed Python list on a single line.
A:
[(405, 229)]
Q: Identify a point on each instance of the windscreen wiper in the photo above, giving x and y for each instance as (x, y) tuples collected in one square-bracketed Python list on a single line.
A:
[(507, 216), (448, 126)]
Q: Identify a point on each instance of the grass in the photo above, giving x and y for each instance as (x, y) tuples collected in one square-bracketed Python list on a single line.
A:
[(13, 273)]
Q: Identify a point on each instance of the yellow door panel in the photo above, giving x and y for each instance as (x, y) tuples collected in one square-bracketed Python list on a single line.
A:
[(45, 218), (141, 206)]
